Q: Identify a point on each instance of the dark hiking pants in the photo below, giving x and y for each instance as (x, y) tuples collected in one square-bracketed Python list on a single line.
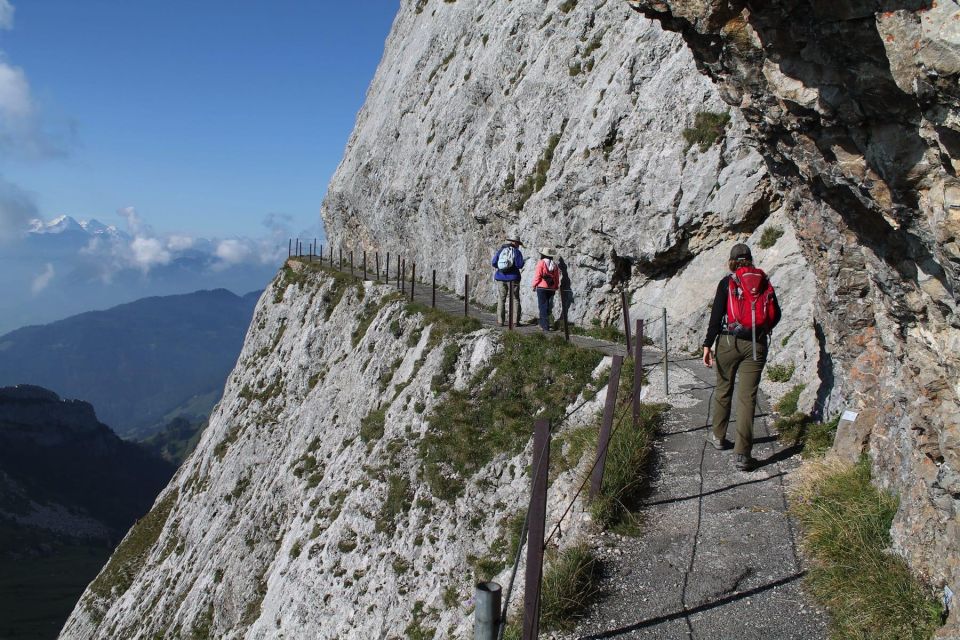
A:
[(738, 372), (545, 302)]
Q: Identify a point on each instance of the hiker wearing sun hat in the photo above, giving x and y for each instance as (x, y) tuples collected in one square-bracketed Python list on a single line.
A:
[(546, 281), (745, 311), (508, 262)]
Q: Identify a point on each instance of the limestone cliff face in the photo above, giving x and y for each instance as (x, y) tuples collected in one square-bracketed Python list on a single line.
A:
[(303, 513), (562, 122), (857, 108)]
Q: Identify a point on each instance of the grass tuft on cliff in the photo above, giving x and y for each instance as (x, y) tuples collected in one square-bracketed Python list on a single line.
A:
[(708, 127), (533, 375), (570, 583), (845, 521)]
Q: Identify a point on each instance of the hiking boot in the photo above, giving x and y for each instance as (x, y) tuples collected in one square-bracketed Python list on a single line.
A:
[(745, 462), (720, 444)]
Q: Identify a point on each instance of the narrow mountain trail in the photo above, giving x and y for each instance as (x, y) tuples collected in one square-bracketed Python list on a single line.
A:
[(717, 556)]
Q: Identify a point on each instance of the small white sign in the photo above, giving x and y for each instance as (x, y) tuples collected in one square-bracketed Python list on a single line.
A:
[(849, 416)]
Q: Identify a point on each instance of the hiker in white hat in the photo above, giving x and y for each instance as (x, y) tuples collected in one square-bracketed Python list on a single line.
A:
[(546, 281)]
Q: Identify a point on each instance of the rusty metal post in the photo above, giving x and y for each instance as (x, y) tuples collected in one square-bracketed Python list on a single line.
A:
[(466, 295), (565, 308), (386, 272), (377, 256), (605, 427), (321, 255), (340, 264), (666, 363), (509, 304), (351, 262), (637, 373), (433, 295), (364, 265), (403, 276), (626, 316), (537, 517), (310, 253), (290, 247), (413, 278), (398, 272)]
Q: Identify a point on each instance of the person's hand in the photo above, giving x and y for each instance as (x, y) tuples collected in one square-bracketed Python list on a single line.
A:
[(707, 357)]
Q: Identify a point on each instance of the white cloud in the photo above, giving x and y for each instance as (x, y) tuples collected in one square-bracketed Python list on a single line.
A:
[(17, 209), (134, 224), (177, 243), (234, 251), (43, 279), (6, 15), (149, 252)]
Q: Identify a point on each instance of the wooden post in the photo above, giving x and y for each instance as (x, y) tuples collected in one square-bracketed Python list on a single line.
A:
[(290, 247), (377, 255), (321, 255), (351, 262), (386, 273), (364, 265), (398, 272), (413, 278), (433, 296), (666, 364), (403, 276), (510, 286), (637, 373), (466, 295), (537, 518), (609, 407), (626, 316)]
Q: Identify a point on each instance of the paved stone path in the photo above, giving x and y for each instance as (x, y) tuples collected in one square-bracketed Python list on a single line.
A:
[(717, 557)]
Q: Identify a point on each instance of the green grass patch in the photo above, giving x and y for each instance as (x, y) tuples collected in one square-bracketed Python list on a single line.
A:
[(769, 237), (533, 375), (868, 591), (373, 426), (708, 127), (538, 179), (787, 405), (609, 333), (570, 583), (625, 472), (781, 372), (398, 501)]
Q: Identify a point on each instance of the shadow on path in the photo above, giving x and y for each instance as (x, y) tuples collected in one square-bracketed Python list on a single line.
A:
[(714, 491)]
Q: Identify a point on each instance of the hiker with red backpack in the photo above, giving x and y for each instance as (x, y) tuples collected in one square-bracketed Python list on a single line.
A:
[(546, 281), (745, 311), (508, 261)]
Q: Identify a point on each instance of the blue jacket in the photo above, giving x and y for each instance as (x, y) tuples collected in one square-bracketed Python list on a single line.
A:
[(512, 274)]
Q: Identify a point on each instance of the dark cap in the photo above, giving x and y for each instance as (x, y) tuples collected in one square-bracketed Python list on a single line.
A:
[(740, 250), (515, 241)]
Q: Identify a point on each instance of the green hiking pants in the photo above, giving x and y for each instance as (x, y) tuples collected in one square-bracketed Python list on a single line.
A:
[(503, 304), (735, 364)]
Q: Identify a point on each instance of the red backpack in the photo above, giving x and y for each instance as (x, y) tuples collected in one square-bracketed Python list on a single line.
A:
[(750, 303)]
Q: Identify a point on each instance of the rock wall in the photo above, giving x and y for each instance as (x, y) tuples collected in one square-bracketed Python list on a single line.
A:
[(295, 517), (855, 106)]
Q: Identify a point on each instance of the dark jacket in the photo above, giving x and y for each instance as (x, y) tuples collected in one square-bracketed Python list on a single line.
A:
[(718, 316), (512, 274)]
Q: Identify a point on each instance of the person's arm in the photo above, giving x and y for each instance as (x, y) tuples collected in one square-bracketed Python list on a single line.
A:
[(518, 259), (493, 261), (715, 326)]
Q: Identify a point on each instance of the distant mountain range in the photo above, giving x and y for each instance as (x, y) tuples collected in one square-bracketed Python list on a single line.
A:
[(69, 491), (65, 266), (142, 364)]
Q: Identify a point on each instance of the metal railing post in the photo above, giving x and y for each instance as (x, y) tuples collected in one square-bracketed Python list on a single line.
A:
[(510, 285), (433, 296), (321, 255), (290, 248), (537, 518), (603, 442), (637, 373), (486, 598), (626, 316), (386, 272), (340, 264), (377, 255), (413, 278), (466, 295), (364, 265), (398, 272), (351, 262), (402, 275), (666, 363), (564, 311)]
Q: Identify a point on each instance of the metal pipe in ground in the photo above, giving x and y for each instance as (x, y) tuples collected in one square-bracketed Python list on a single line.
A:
[(666, 367), (486, 620)]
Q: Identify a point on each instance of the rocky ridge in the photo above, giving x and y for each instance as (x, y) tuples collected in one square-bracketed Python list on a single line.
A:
[(295, 516)]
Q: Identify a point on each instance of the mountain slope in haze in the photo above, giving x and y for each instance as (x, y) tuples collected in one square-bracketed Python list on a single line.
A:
[(69, 490), (138, 363)]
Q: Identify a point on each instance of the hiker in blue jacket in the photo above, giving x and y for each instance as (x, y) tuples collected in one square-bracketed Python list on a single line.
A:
[(508, 261)]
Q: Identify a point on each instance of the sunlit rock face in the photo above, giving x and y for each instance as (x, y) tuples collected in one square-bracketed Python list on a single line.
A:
[(856, 106)]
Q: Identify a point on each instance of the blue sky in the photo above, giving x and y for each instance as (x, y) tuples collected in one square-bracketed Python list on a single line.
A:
[(204, 116)]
